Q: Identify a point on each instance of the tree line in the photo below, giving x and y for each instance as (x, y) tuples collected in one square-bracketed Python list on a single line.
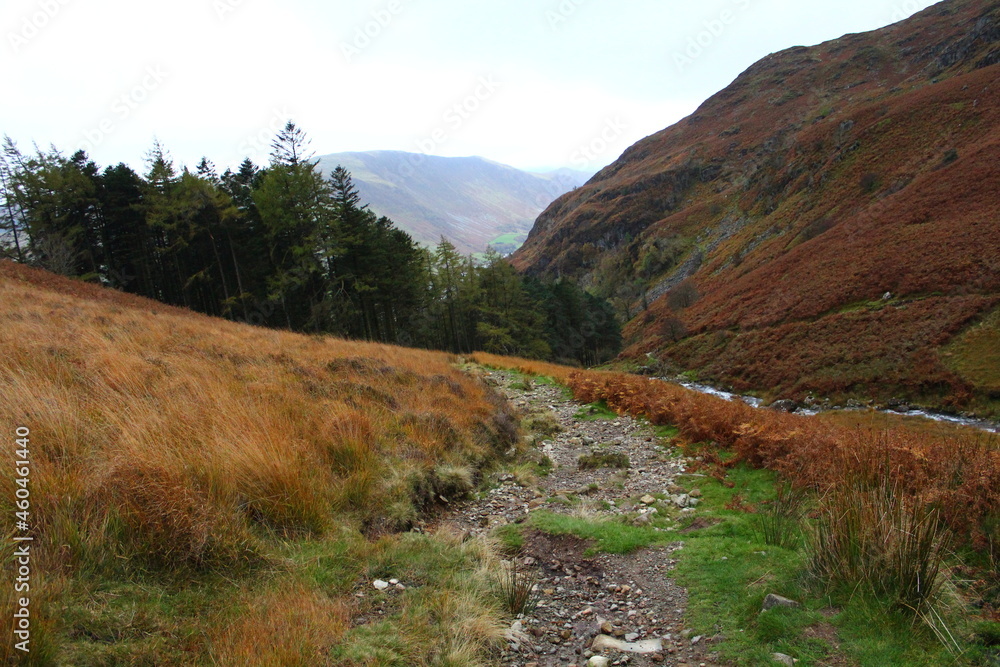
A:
[(283, 246)]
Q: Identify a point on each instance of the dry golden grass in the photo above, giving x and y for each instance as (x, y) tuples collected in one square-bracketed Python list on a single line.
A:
[(180, 430), (532, 367), (168, 442), (283, 628)]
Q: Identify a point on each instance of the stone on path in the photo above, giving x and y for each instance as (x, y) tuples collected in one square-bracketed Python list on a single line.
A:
[(645, 646)]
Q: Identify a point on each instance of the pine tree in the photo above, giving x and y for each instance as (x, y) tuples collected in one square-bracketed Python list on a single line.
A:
[(291, 147), (295, 209)]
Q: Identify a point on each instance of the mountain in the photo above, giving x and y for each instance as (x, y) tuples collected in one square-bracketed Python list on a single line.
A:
[(827, 223), (471, 201)]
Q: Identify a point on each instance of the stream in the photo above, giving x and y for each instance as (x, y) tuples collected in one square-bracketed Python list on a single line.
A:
[(981, 424)]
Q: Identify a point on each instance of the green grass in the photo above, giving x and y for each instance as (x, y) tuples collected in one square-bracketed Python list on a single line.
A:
[(728, 570), (510, 537), (609, 536), (596, 412), (162, 620), (596, 460), (510, 238), (666, 432), (975, 356)]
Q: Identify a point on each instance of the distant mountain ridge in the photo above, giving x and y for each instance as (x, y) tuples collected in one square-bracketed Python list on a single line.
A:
[(471, 201), (828, 224)]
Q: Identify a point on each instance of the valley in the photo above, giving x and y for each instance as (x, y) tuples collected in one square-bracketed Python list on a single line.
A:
[(472, 202), (732, 400)]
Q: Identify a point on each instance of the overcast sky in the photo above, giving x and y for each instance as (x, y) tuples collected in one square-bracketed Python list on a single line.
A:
[(533, 83)]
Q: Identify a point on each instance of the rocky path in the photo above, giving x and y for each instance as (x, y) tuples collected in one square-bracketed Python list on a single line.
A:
[(605, 609)]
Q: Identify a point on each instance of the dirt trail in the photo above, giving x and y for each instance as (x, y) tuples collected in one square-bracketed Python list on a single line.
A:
[(631, 597)]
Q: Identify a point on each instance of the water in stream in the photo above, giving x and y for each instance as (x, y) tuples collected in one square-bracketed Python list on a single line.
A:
[(982, 424)]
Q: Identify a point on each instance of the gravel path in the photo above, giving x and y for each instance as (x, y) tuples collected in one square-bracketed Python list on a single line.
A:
[(628, 598)]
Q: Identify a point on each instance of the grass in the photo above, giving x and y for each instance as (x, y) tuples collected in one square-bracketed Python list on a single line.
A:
[(596, 412), (514, 585), (198, 484), (545, 424), (728, 569), (510, 238), (596, 460), (975, 356), (609, 536), (778, 522)]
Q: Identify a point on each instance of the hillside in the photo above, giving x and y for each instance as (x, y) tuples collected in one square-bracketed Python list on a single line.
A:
[(191, 485), (471, 201), (196, 484), (827, 223)]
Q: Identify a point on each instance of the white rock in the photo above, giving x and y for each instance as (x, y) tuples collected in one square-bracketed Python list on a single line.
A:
[(515, 634), (598, 661), (645, 646), (380, 585), (784, 659)]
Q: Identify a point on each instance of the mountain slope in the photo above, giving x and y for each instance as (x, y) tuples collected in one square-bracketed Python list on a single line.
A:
[(472, 201), (216, 483), (820, 181)]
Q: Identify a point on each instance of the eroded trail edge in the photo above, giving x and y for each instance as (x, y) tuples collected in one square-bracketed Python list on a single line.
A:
[(621, 606)]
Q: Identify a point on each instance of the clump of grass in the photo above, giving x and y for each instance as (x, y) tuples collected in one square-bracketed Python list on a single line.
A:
[(543, 423), (515, 585), (510, 539), (596, 412), (871, 536), (596, 460), (778, 523), (522, 385)]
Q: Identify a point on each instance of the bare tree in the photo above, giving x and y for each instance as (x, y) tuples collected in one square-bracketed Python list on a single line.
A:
[(683, 296)]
